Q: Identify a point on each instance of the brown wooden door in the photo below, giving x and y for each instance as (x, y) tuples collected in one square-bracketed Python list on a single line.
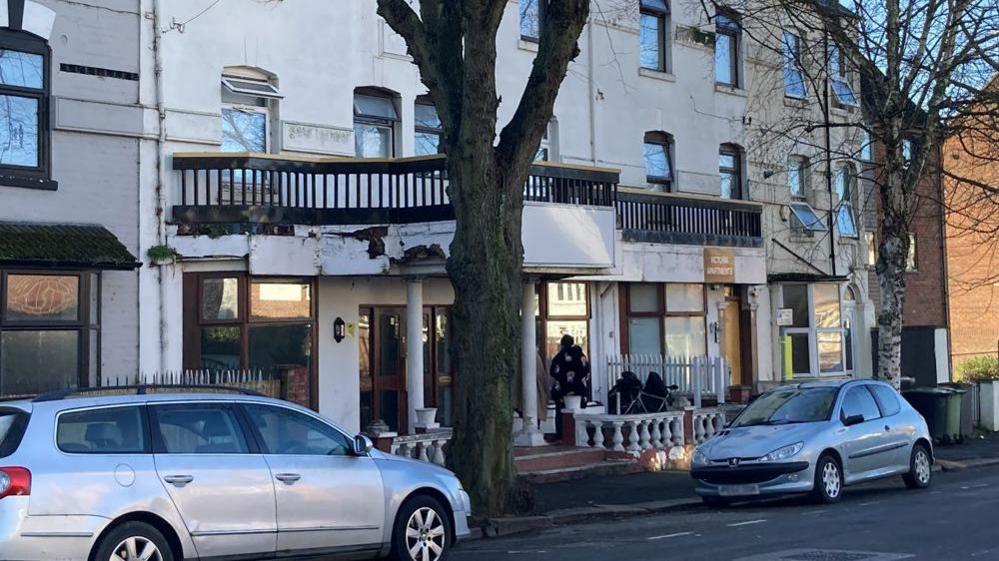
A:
[(383, 367)]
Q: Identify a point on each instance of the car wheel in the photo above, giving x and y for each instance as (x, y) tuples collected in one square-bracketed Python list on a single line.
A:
[(828, 480), (920, 468), (133, 541), (422, 531), (716, 502)]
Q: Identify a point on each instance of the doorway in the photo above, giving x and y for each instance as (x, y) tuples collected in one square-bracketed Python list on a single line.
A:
[(734, 345)]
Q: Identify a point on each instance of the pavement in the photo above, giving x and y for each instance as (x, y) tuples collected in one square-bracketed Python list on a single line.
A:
[(880, 521), (644, 494)]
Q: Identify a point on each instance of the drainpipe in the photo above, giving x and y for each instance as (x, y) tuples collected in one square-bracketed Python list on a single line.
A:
[(592, 92), (829, 170), (161, 176)]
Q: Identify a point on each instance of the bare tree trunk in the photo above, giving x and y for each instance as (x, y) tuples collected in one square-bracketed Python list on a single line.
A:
[(893, 254)]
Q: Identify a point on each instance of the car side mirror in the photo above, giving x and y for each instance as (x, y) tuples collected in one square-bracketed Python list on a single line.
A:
[(362, 445), (853, 420)]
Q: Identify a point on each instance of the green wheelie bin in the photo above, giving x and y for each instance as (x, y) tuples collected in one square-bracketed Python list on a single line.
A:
[(931, 403)]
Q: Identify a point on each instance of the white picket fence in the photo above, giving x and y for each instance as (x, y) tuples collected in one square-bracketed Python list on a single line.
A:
[(696, 376)]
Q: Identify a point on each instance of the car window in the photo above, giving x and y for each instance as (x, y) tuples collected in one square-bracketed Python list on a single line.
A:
[(887, 398), (200, 429), (284, 431), (788, 405), (108, 430), (859, 401), (12, 425)]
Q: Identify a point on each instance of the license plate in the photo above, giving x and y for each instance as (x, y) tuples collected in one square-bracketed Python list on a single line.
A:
[(738, 490)]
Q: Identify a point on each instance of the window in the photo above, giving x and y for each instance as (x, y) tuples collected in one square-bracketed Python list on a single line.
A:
[(887, 399), (24, 104), (658, 162), (814, 340), (859, 401), (666, 319), (248, 95), (260, 326), (794, 79), (531, 14), (839, 78), (805, 219), (727, 35), (111, 430), (907, 150), (429, 131), (12, 425), (797, 176), (845, 221), (866, 147), (911, 261), (654, 35), (375, 119), (283, 431), (49, 331), (564, 310), (789, 405), (548, 149), (198, 429), (730, 169)]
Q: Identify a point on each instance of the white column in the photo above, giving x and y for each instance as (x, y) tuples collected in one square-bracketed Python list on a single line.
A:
[(529, 435), (414, 349)]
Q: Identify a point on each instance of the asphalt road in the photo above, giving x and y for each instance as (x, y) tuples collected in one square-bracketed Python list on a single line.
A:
[(957, 518)]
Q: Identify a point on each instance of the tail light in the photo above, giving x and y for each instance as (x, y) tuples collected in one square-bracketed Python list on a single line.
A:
[(14, 482)]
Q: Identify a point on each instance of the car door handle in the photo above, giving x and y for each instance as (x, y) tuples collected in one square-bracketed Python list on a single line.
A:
[(288, 478), (178, 480), (887, 428)]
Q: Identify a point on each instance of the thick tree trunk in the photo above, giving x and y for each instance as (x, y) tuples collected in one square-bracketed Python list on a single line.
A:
[(893, 253), (485, 270)]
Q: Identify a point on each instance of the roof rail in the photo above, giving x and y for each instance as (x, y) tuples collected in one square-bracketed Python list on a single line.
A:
[(139, 389)]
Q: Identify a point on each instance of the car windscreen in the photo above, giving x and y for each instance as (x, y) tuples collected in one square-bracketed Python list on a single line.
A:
[(12, 424), (789, 405)]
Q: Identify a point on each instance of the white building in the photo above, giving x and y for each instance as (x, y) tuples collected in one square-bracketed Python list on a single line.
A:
[(651, 229)]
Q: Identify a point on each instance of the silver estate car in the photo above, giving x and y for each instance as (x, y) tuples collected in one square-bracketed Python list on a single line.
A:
[(815, 438), (173, 476)]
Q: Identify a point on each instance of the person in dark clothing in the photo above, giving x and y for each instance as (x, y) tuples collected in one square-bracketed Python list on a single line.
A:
[(570, 372)]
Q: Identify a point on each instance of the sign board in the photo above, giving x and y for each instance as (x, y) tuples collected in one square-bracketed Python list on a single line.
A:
[(785, 317), (719, 265)]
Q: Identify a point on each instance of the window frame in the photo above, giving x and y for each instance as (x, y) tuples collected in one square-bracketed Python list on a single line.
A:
[(734, 33), (87, 323), (846, 173), (665, 140), (40, 176), (802, 171), (194, 324), (662, 313), (793, 59), (422, 129), (375, 120), (729, 149), (246, 108), (540, 4), (663, 38), (813, 330)]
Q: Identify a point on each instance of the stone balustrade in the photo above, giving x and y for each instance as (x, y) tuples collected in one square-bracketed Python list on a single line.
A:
[(428, 447), (630, 433), (706, 423)]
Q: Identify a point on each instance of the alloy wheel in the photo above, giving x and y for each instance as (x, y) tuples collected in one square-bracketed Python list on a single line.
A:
[(922, 465), (831, 480), (136, 548), (425, 535)]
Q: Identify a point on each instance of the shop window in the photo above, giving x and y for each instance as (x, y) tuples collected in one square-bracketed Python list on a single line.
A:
[(375, 121), (49, 331), (263, 328), (727, 38), (24, 109), (666, 319), (654, 35), (429, 130), (814, 338)]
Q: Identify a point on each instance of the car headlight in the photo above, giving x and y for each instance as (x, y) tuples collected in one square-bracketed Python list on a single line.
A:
[(784, 453), (699, 458)]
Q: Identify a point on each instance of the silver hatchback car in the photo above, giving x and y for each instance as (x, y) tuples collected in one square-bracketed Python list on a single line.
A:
[(815, 438), (174, 476)]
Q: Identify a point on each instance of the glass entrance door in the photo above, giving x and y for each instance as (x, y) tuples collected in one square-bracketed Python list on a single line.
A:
[(382, 367)]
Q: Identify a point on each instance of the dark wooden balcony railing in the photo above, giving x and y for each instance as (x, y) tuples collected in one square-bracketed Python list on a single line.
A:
[(260, 188), (663, 218)]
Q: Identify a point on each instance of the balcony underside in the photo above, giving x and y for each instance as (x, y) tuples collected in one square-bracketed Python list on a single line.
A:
[(687, 238)]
